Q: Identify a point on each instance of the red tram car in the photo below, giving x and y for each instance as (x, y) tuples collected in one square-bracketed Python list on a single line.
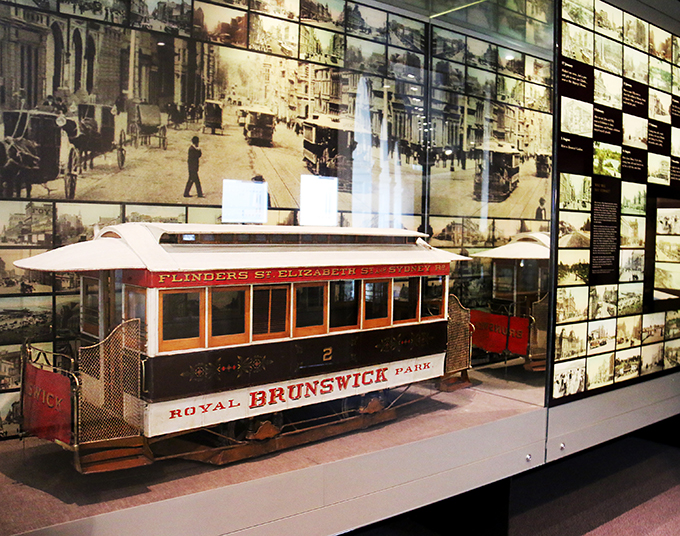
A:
[(204, 339)]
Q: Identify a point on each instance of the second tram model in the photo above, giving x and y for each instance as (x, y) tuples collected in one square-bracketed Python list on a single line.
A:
[(205, 339)]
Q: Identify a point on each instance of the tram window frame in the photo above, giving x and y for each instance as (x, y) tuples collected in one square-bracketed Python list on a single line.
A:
[(376, 321), (442, 308), (166, 345), (90, 316), (270, 334), (356, 283), (413, 284), (230, 338), (316, 329)]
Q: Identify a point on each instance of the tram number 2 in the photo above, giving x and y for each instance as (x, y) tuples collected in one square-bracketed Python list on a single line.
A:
[(328, 353)]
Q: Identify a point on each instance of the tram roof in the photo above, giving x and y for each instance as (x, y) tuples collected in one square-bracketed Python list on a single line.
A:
[(160, 247)]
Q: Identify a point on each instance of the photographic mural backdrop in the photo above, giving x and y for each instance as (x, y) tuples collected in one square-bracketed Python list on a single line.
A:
[(100, 101)]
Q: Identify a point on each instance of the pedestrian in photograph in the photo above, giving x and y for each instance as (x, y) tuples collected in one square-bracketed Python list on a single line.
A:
[(192, 160), (540, 209)]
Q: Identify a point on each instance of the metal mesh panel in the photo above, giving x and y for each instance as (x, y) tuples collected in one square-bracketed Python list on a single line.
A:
[(538, 342), (109, 404), (458, 346)]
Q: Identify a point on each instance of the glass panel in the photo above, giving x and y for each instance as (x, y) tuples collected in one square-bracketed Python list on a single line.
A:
[(270, 310), (433, 297), (228, 312), (279, 312), (309, 309), (377, 300), (91, 306), (260, 311), (405, 298), (135, 304), (344, 303), (181, 315)]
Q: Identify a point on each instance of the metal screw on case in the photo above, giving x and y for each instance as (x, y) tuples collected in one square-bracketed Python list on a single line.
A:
[(562, 446), (528, 457)]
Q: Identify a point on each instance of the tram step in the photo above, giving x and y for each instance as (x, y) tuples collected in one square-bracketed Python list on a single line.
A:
[(104, 466), (113, 454)]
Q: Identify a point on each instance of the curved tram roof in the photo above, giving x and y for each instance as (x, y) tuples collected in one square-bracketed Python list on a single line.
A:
[(161, 247)]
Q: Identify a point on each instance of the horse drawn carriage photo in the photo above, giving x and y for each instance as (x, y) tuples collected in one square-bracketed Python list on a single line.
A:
[(213, 116), (101, 130), (147, 124)]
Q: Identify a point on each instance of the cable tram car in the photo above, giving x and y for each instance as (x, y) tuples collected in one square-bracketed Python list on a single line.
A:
[(259, 126), (496, 172), (328, 145), (202, 341), (515, 321)]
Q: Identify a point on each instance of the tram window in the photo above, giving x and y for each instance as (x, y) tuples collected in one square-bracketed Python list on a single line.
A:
[(405, 298), (376, 303), (270, 312), (182, 316), (310, 311), (433, 297), (229, 315), (344, 304), (90, 299), (135, 303)]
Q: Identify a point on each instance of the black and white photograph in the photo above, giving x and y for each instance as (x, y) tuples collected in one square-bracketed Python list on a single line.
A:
[(660, 74), (77, 222), (572, 304), (635, 65), (676, 50), (446, 232), (608, 20), (148, 213), (627, 364), (327, 14), (601, 336), (576, 117), (569, 378), (603, 301), (10, 367), (512, 24), (481, 54), (608, 90), (15, 280), (541, 10), (668, 221), (277, 36), (577, 43), (573, 266), (115, 11), (658, 169), (630, 298), (366, 22), (672, 330), (480, 83), (538, 98), (660, 105), (366, 56), (660, 43), (284, 9), (405, 65), (575, 192), (67, 316), (635, 131), (538, 70), (635, 32), (653, 325), (628, 332), (574, 230), (600, 371), (10, 413), (668, 248), (510, 90), (675, 142), (539, 33), (219, 24), (667, 276), (651, 359), (633, 198), (322, 46), (606, 159), (571, 341), (671, 354), (504, 230), (511, 63), (25, 318), (406, 33), (26, 223), (633, 229), (579, 11), (448, 75), (45, 5), (477, 233), (608, 55), (448, 44), (631, 265), (173, 18)]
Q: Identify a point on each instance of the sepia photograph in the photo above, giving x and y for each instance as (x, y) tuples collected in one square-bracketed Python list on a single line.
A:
[(321, 46), (575, 192), (635, 65), (668, 248), (77, 222), (630, 298), (538, 70), (675, 142), (572, 304), (608, 20), (577, 43), (25, 318), (633, 198), (477, 233), (631, 265), (627, 364), (45, 5), (653, 325), (327, 14), (539, 33), (600, 371), (449, 45), (606, 159), (541, 10), (10, 413), (570, 341), (660, 105), (660, 43), (285, 9), (576, 117), (446, 232), (672, 330), (581, 12), (538, 97), (510, 90), (608, 55), (574, 230), (658, 169), (404, 65), (666, 276), (148, 213), (219, 24), (10, 367), (481, 83), (511, 63), (633, 231), (660, 74), (635, 131), (628, 331), (115, 11), (15, 280), (406, 33), (366, 56), (268, 34), (512, 24), (668, 221), (608, 90), (601, 336), (448, 75), (603, 301), (651, 359), (569, 378), (366, 22), (67, 316), (635, 32), (481, 54), (26, 223), (173, 18), (671, 354), (573, 266)]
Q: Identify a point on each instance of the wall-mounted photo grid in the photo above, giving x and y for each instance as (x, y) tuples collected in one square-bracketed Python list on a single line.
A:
[(618, 161), (100, 101)]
